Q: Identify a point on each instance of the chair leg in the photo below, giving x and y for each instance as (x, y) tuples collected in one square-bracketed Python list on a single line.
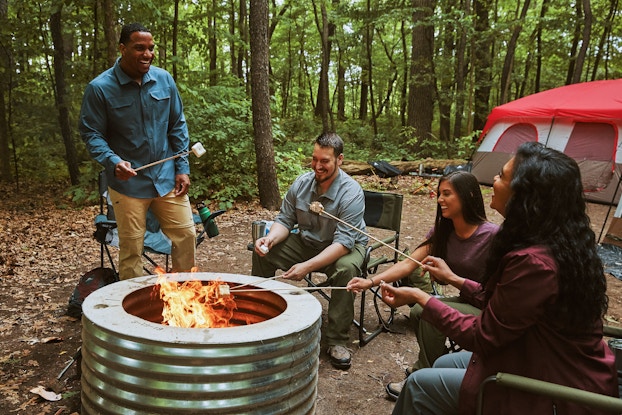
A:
[(366, 336)]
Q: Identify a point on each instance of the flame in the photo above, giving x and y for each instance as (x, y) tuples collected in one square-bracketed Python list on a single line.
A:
[(192, 304)]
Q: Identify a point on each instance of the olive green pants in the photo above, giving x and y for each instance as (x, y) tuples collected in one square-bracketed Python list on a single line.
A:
[(341, 305), (431, 340)]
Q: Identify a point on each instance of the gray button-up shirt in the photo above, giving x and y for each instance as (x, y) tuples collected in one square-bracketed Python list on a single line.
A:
[(344, 200)]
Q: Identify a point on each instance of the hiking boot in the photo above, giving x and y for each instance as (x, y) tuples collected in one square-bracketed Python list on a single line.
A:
[(340, 357), (394, 388)]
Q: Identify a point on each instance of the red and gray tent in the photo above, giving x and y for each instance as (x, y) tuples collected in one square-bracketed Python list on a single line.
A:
[(583, 120)]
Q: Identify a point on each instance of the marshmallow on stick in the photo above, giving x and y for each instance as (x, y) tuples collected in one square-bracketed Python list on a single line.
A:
[(197, 149), (317, 207)]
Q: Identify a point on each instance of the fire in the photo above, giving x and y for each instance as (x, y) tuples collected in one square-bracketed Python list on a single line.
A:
[(192, 304)]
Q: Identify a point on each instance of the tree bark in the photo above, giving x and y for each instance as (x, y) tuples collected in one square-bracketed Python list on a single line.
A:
[(461, 70), (112, 40), (421, 95), (269, 196), (61, 95), (585, 41), (5, 84), (482, 63), (326, 30), (213, 46), (508, 63)]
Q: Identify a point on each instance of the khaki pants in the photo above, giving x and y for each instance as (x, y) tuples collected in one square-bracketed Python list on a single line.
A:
[(341, 306), (175, 216)]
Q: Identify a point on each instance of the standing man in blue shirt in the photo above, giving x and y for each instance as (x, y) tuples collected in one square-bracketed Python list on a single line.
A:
[(132, 115), (322, 243)]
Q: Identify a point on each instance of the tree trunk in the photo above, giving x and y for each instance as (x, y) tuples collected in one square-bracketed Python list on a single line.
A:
[(508, 64), (269, 196), (5, 84), (576, 37), (482, 63), (112, 41), (539, 49), (242, 52), (326, 30), (341, 87), (368, 54), (175, 31), (600, 50), (421, 95), (213, 46), (461, 70), (404, 90), (61, 95), (585, 41)]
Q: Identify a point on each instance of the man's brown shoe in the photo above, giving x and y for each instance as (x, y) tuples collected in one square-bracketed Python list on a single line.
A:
[(340, 357)]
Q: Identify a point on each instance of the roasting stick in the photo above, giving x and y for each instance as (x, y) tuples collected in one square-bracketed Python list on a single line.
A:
[(197, 149), (253, 283), (317, 207), (225, 291)]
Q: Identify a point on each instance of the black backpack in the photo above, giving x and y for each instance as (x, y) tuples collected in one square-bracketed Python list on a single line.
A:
[(89, 282)]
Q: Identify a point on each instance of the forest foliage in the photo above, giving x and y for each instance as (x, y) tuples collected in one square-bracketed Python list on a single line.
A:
[(397, 79)]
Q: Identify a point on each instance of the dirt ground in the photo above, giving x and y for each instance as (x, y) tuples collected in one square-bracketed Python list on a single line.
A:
[(46, 244)]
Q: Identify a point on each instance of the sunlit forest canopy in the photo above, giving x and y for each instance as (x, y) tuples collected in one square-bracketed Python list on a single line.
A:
[(398, 80)]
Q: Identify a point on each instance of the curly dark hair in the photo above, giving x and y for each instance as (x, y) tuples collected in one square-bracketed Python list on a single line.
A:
[(467, 189), (548, 208)]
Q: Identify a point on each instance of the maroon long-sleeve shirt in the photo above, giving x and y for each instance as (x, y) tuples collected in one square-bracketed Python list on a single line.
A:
[(515, 334)]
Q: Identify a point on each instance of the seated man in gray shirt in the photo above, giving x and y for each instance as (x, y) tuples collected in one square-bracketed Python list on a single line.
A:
[(321, 243)]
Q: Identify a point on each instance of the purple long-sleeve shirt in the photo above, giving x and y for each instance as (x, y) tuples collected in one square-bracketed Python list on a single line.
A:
[(516, 334)]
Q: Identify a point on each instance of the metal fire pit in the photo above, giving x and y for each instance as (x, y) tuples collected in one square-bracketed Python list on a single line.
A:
[(267, 364)]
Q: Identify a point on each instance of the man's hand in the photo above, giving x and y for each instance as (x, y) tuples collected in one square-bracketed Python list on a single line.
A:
[(297, 272), (124, 171), (182, 184)]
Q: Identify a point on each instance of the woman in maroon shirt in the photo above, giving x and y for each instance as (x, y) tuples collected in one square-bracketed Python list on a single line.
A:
[(543, 298)]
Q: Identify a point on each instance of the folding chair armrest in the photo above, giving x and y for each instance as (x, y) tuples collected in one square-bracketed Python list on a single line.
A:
[(612, 331), (553, 390), (388, 240)]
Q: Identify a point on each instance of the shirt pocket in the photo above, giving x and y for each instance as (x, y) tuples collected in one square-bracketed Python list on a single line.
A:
[(161, 102), (122, 116)]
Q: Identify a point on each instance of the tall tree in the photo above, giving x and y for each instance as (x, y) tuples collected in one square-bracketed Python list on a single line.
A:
[(422, 81), (508, 63), (5, 71), (110, 33), (326, 30), (461, 67), (61, 94), (269, 196), (585, 41), (482, 63)]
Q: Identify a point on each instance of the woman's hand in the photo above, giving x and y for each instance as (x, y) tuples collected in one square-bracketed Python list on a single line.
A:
[(357, 284), (396, 297), (440, 271)]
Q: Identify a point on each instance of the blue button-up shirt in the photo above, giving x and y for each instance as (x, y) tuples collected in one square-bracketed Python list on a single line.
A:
[(121, 120), (344, 200)]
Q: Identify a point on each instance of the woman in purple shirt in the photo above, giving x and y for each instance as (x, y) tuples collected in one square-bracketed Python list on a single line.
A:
[(543, 298), (461, 235)]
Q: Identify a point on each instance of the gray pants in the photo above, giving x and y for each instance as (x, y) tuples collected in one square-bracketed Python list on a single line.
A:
[(341, 306), (434, 391)]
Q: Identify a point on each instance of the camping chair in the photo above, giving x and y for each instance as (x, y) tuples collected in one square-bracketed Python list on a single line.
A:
[(552, 390), (561, 392), (382, 211), (155, 243)]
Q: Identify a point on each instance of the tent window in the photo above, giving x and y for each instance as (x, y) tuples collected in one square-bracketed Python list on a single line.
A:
[(515, 136), (592, 141)]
